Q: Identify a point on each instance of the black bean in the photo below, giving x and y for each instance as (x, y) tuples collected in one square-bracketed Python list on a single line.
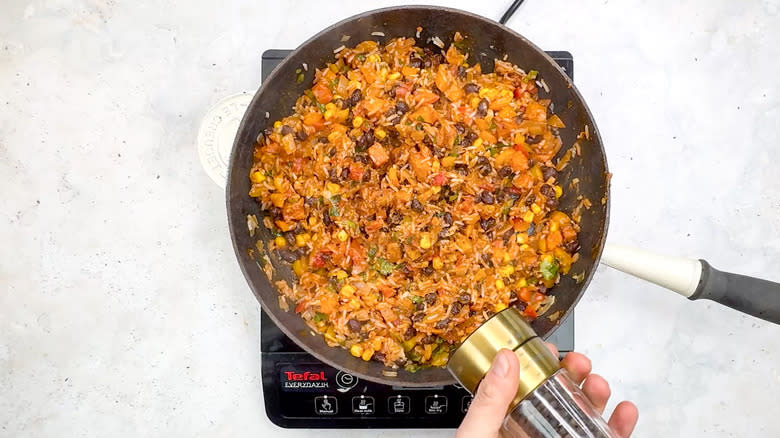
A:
[(326, 220), (520, 305), (530, 199), (533, 139), (442, 324), (508, 234), (430, 298), (572, 246), (461, 71), (482, 107), (462, 168), (531, 229), (486, 197), (415, 61), (416, 206), (471, 137), (379, 357), (276, 213), (333, 175), (301, 135), (310, 201), (366, 175), (455, 309), (417, 317), (443, 235), (549, 172), (286, 130), (460, 128), (401, 107), (287, 255), (483, 166), (362, 158), (487, 259), (439, 152), (354, 325), (447, 194), (268, 132), (411, 331), (505, 172), (547, 190), (552, 203), (487, 224), (394, 218), (427, 270), (471, 88), (354, 98), (345, 174), (429, 339), (289, 236), (464, 298), (419, 306), (446, 219), (323, 139)]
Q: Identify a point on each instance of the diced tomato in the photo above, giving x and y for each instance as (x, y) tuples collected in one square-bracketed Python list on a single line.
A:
[(440, 179), (387, 291), (356, 171), (322, 93), (315, 120), (329, 303), (297, 164), (318, 260), (401, 90), (518, 93), (300, 306)]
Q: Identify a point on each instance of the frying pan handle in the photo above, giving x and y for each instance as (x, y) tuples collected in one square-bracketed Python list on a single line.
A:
[(696, 279)]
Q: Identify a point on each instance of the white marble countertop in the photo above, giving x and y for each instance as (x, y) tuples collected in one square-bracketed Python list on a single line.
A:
[(123, 311)]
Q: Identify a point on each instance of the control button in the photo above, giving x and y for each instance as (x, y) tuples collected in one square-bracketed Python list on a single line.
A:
[(399, 404), (363, 404), (326, 405), (465, 403), (345, 381), (435, 404)]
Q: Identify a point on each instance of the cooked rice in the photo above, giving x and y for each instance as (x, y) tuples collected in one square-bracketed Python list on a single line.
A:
[(415, 197)]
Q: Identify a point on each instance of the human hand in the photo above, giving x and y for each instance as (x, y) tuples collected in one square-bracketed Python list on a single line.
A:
[(488, 409)]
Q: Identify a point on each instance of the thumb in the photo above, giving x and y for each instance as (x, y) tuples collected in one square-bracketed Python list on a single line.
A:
[(487, 411)]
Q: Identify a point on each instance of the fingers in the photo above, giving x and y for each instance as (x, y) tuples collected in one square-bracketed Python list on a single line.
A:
[(553, 348), (624, 419), (597, 390), (577, 365), (487, 410)]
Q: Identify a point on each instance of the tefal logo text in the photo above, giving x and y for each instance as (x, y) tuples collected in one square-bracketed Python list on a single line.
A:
[(306, 376)]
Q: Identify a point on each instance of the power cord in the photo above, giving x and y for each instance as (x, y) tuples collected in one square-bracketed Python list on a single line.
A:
[(509, 12)]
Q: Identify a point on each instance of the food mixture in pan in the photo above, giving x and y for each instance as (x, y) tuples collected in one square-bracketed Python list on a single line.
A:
[(415, 197)]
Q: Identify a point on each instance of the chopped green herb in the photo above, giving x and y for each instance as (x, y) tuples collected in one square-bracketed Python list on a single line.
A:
[(319, 317), (419, 127), (531, 75), (297, 71), (549, 269), (372, 253), (353, 226), (332, 84), (334, 205), (361, 57), (384, 267), (457, 140), (507, 207), (493, 125), (416, 299), (300, 78), (420, 119)]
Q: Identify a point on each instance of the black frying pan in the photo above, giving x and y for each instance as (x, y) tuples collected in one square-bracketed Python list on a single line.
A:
[(486, 41)]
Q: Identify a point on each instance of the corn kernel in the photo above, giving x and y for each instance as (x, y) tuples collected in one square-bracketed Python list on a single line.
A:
[(528, 216), (522, 237), (299, 267), (506, 271), (437, 263), (280, 242), (383, 73), (500, 307), (277, 124), (499, 284), (377, 344), (333, 136), (474, 102), (367, 353), (535, 208), (506, 257), (435, 166), (380, 133), (312, 221), (302, 239), (341, 275), (448, 161), (342, 115), (558, 191), (257, 177), (355, 84), (522, 282), (331, 106), (357, 122), (333, 188), (524, 247), (278, 183), (478, 142), (372, 58), (342, 236), (347, 290), (553, 226), (354, 303), (329, 114), (425, 241), (436, 189), (356, 350), (394, 76), (547, 258)]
